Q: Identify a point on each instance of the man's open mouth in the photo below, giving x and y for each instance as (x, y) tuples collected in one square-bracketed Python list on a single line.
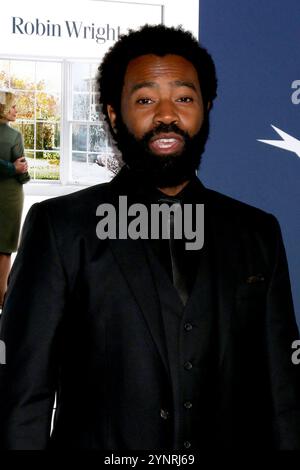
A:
[(166, 143)]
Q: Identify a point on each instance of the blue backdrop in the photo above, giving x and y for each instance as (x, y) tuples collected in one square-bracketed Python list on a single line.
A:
[(256, 48)]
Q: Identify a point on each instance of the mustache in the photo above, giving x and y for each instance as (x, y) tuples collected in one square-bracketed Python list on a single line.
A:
[(164, 128)]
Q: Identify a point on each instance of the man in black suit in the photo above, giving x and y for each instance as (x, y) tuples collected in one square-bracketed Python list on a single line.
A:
[(147, 344)]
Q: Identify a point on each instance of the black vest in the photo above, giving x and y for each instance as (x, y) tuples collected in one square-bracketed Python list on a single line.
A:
[(192, 346)]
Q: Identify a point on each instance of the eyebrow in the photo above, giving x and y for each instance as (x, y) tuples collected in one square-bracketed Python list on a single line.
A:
[(140, 85), (180, 83), (175, 83)]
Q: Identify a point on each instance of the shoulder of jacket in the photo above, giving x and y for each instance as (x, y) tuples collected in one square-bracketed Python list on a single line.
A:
[(232, 208), (77, 203), (13, 132)]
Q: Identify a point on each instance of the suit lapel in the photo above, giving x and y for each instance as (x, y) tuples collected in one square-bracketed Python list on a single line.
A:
[(131, 257)]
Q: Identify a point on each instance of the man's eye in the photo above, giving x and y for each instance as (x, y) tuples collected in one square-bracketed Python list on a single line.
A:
[(144, 101), (185, 99)]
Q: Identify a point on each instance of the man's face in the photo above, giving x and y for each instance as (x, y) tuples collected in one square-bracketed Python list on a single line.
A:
[(160, 130)]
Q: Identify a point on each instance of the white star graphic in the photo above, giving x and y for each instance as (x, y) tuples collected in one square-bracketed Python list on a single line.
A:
[(288, 142)]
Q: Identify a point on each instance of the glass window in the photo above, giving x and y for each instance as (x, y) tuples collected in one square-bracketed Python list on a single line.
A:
[(48, 76), (48, 106), (47, 136), (4, 74), (80, 76), (38, 89), (79, 137), (25, 105), (91, 149), (81, 110), (38, 86), (45, 166), (22, 75)]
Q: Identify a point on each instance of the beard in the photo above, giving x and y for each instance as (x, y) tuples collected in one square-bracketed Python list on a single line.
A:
[(162, 170)]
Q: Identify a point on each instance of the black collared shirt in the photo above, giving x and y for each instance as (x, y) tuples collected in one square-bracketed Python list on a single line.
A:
[(187, 260)]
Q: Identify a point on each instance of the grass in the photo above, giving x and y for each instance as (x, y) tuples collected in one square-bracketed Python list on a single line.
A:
[(49, 173)]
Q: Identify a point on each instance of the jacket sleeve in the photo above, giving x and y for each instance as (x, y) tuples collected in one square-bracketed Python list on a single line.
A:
[(18, 147), (281, 332), (7, 168), (30, 325), (17, 152)]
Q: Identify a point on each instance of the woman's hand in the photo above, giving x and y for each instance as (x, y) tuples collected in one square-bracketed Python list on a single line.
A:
[(21, 165)]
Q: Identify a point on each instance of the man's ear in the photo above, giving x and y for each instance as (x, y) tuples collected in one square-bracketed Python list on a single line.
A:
[(209, 105), (112, 116)]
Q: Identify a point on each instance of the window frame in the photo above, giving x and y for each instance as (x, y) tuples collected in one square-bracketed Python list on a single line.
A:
[(66, 117)]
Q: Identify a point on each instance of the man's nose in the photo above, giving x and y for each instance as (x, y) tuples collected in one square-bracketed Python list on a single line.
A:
[(165, 112)]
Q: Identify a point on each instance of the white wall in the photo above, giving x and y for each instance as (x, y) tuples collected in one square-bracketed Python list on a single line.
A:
[(30, 29)]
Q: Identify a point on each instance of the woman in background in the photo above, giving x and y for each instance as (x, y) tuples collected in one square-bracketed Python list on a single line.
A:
[(13, 173)]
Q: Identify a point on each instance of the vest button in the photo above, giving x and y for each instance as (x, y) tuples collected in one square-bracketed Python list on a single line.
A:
[(164, 414), (188, 405), (188, 365), (188, 327), (187, 444)]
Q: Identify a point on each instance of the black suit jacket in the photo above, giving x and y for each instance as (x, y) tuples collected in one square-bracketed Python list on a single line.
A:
[(82, 318)]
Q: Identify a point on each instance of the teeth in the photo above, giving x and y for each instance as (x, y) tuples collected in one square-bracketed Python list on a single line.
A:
[(165, 143)]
